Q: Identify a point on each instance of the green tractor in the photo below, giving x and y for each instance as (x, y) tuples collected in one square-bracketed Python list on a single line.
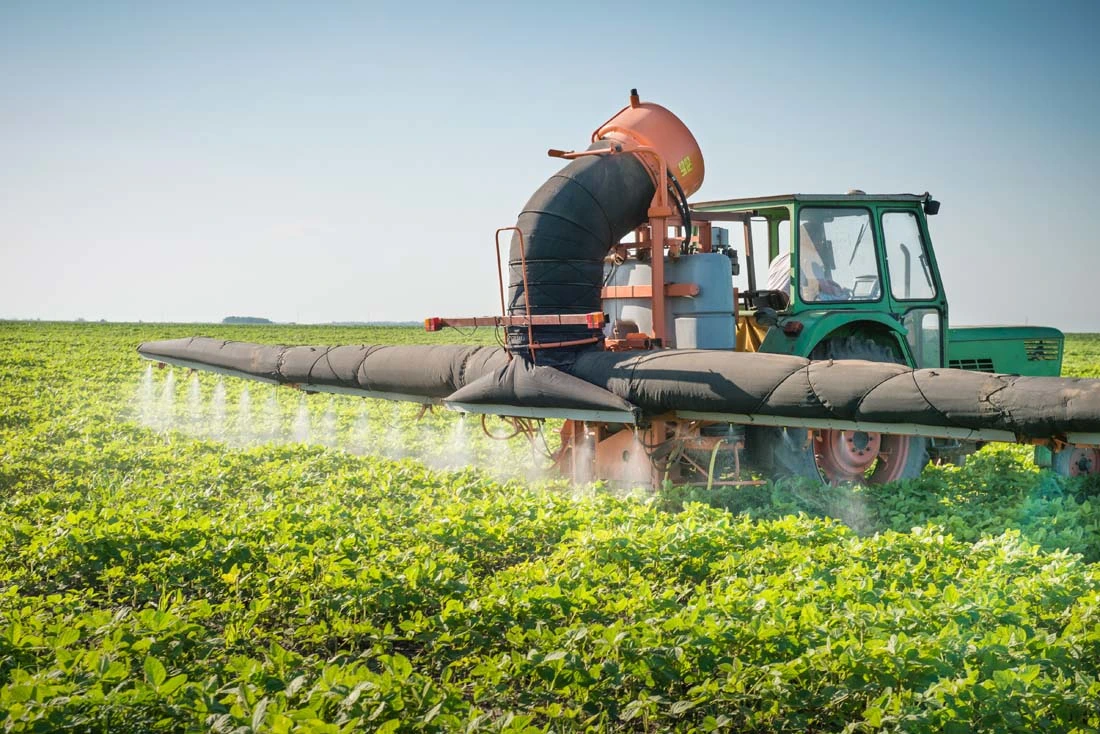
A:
[(854, 276)]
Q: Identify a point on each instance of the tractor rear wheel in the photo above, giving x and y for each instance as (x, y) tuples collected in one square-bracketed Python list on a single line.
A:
[(835, 456), (848, 456), (1074, 462)]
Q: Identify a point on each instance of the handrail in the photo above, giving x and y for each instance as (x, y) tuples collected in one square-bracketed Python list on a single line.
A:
[(526, 290)]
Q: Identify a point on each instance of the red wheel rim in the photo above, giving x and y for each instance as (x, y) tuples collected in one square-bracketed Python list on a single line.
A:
[(847, 456), (1084, 461)]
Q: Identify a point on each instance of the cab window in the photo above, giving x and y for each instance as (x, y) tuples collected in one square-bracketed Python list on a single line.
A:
[(906, 258), (924, 328), (836, 255)]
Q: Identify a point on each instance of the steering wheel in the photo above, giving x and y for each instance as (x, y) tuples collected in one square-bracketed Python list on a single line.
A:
[(830, 290)]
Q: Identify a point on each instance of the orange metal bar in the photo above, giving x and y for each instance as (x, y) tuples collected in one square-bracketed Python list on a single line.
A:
[(626, 291), (596, 132), (659, 227), (593, 320), (660, 206), (672, 290), (572, 154), (706, 237)]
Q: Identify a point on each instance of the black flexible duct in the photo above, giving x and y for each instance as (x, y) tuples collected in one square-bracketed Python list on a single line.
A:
[(709, 381), (568, 226)]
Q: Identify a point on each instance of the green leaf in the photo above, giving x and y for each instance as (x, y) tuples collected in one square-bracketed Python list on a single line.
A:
[(19, 693), (154, 672), (681, 707), (258, 714), (172, 684), (873, 716)]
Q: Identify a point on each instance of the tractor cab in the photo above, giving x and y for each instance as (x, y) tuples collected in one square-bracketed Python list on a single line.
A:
[(822, 267)]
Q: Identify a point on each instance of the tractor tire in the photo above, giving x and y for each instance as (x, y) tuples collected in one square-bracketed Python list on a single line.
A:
[(787, 452), (1076, 462), (913, 449)]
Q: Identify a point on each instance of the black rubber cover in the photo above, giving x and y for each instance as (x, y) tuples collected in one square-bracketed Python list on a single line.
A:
[(522, 383), (793, 387), (689, 379), (568, 226), (421, 370)]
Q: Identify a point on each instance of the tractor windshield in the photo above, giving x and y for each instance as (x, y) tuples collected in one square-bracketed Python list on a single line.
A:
[(837, 255)]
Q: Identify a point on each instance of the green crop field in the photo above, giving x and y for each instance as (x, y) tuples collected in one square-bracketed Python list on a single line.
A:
[(181, 553), (1082, 355)]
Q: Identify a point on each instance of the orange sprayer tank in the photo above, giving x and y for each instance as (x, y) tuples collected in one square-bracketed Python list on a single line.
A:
[(653, 126)]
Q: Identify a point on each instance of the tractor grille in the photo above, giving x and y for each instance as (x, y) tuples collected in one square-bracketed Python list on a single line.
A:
[(982, 364), (1042, 350)]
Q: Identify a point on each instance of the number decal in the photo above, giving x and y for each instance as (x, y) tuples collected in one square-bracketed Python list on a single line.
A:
[(685, 165)]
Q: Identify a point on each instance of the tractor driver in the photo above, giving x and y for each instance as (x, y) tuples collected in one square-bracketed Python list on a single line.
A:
[(814, 283)]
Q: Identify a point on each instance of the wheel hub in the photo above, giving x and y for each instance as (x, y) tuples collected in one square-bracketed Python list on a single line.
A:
[(860, 441), (1084, 461)]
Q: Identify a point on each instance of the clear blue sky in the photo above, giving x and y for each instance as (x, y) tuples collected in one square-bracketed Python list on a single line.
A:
[(350, 161)]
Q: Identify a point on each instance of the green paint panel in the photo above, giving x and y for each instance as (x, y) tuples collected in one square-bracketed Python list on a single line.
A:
[(1013, 350)]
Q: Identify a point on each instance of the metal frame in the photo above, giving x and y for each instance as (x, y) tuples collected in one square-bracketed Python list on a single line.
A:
[(594, 320), (523, 411), (362, 393), (833, 424)]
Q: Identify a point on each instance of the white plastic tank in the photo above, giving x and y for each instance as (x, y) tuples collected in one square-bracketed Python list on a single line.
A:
[(704, 321)]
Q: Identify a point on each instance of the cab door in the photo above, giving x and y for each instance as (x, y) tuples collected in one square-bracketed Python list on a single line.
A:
[(915, 293)]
